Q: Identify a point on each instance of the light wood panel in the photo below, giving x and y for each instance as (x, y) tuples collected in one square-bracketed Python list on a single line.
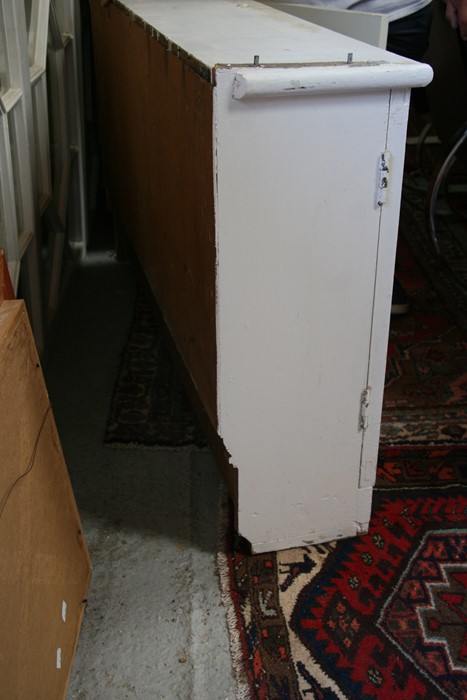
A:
[(44, 567)]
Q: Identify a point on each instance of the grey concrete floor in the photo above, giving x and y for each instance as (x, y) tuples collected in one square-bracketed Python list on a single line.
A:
[(155, 627)]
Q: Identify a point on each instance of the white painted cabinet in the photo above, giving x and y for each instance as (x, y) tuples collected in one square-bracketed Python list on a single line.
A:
[(306, 133)]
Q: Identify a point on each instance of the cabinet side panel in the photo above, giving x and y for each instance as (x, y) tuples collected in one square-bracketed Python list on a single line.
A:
[(156, 135), (298, 215)]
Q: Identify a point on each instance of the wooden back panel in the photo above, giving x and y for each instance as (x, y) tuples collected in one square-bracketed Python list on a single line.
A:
[(156, 132)]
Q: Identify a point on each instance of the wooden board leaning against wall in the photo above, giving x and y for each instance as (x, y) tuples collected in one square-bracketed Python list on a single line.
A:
[(45, 567)]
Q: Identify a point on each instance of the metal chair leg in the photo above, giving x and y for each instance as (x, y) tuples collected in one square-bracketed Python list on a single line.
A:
[(439, 181)]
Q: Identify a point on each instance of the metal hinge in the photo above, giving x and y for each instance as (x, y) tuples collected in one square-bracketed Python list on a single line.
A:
[(383, 177), (364, 408)]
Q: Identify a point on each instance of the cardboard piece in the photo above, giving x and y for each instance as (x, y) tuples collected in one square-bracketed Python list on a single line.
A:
[(44, 567)]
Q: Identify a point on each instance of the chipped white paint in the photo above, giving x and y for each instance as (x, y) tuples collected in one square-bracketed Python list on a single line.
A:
[(365, 408), (305, 256), (384, 175), (327, 79)]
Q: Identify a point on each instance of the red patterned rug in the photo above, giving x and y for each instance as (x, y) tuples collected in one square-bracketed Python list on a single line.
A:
[(380, 616), (425, 399), (150, 408), (383, 615)]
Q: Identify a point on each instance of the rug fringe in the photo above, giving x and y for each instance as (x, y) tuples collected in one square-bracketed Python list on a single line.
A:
[(243, 688)]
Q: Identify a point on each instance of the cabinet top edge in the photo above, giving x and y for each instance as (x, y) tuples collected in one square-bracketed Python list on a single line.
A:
[(211, 34)]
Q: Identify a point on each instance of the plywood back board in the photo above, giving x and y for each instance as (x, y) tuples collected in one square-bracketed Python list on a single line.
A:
[(44, 567), (156, 132)]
